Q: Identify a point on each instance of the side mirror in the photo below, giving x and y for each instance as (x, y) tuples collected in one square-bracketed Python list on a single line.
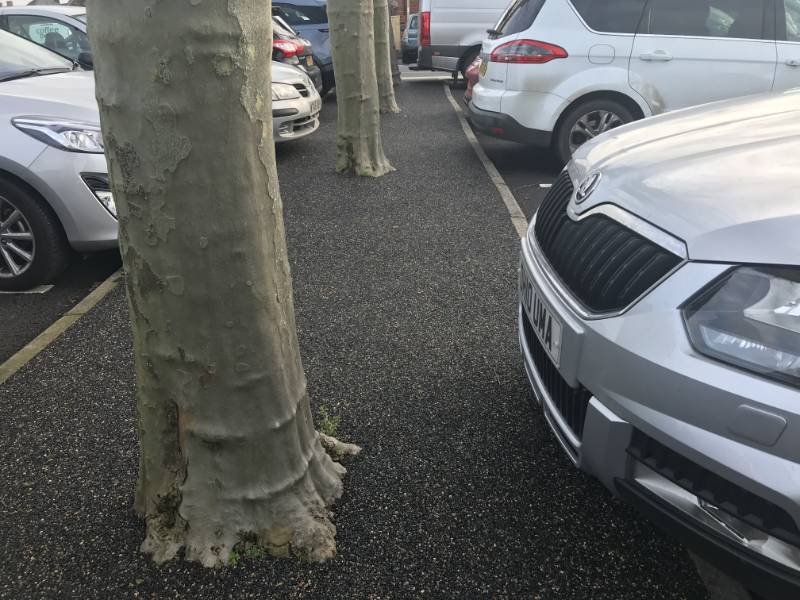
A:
[(86, 59)]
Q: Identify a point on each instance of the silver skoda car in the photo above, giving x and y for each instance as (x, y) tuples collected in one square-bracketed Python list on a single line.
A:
[(659, 323)]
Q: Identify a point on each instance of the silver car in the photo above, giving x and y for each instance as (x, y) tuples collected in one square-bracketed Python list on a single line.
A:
[(659, 322), (54, 187)]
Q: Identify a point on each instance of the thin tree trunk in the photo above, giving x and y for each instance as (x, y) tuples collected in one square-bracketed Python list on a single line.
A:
[(358, 137), (228, 450), (383, 57), (395, 68)]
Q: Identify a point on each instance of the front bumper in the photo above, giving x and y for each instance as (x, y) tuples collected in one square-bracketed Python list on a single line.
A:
[(295, 119), (641, 378), (505, 127), (56, 175)]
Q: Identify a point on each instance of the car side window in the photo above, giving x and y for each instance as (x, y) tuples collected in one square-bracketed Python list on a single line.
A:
[(50, 33), (706, 18), (792, 20), (413, 23), (614, 16)]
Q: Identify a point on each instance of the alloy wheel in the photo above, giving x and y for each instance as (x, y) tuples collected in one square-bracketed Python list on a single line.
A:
[(591, 125), (17, 243)]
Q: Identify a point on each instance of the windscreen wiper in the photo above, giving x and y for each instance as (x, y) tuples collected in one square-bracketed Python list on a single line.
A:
[(33, 73)]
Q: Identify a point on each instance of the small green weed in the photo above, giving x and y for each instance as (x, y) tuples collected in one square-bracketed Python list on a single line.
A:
[(328, 424)]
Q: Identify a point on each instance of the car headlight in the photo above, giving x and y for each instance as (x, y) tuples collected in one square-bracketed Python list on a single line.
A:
[(73, 136), (284, 91), (750, 318)]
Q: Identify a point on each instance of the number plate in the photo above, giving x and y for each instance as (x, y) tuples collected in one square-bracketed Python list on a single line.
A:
[(546, 325), (310, 60), (316, 105), (483, 67)]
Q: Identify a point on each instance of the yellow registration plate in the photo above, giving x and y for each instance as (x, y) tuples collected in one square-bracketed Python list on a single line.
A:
[(483, 67), (310, 60)]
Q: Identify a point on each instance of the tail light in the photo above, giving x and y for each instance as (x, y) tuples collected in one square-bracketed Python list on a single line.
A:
[(287, 48), (425, 30), (527, 51)]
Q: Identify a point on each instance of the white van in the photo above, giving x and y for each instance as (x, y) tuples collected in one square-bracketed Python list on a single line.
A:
[(451, 31)]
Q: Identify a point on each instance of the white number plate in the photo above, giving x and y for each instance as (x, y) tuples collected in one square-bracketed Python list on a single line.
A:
[(316, 105), (546, 325)]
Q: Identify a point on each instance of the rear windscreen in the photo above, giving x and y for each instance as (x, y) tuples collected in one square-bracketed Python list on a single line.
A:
[(295, 14), (518, 17)]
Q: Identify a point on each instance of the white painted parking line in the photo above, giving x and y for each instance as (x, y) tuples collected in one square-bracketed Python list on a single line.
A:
[(517, 216), (52, 333), (40, 289)]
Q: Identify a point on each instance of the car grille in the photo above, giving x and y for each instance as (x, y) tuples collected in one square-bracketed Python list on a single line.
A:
[(604, 264), (304, 91), (723, 494), (571, 402)]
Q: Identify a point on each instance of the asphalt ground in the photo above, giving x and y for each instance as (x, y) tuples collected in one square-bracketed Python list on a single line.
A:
[(405, 290), (24, 316)]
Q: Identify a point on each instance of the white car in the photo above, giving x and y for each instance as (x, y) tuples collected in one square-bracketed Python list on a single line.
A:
[(61, 29), (560, 72), (295, 103)]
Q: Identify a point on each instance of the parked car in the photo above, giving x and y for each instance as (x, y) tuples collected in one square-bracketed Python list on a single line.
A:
[(61, 29), (288, 47), (451, 32), (409, 41), (659, 322), (54, 186), (472, 76), (309, 18), (295, 103), (560, 72)]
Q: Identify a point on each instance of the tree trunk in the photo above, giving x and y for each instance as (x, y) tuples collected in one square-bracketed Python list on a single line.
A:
[(395, 68), (358, 137), (228, 450), (383, 57)]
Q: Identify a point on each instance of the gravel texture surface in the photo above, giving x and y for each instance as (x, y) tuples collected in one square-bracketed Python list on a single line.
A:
[(405, 291), (24, 316)]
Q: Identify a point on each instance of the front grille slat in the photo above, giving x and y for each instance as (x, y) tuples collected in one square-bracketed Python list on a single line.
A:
[(571, 403), (604, 264), (707, 485)]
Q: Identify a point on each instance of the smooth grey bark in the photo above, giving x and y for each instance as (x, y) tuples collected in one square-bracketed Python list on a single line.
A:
[(395, 68), (228, 450), (358, 135), (383, 57)]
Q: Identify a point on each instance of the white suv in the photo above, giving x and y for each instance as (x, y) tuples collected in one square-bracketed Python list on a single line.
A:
[(560, 72)]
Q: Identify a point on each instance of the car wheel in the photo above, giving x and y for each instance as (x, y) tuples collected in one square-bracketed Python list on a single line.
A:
[(467, 60), (33, 249), (586, 121)]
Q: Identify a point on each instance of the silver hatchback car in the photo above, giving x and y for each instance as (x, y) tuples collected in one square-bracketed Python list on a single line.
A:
[(659, 323)]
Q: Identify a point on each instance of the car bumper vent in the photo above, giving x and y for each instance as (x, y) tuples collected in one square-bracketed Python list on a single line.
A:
[(742, 504), (572, 403), (605, 265)]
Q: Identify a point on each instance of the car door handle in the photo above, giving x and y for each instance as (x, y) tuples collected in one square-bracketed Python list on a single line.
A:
[(657, 56), (793, 62)]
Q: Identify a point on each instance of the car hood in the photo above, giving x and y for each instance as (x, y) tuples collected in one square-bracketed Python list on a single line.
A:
[(61, 95), (722, 177), (283, 73)]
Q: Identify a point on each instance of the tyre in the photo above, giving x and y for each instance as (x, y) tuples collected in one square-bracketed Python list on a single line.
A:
[(33, 248), (466, 61), (587, 121)]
